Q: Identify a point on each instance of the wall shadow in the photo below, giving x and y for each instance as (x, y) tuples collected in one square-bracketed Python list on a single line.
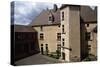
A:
[(84, 43), (23, 44), (27, 46)]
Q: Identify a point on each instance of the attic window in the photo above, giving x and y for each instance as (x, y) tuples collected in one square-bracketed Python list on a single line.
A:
[(50, 18)]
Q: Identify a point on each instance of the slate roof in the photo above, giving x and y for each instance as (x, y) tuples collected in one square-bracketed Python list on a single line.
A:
[(22, 28), (43, 19), (86, 14)]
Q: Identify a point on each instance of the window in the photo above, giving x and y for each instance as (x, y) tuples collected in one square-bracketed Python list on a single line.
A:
[(63, 39), (87, 36), (59, 36), (41, 36), (58, 51), (50, 18), (89, 45), (63, 55), (42, 50), (59, 47), (89, 48), (58, 25), (62, 28), (63, 43), (41, 45), (87, 25), (58, 44), (46, 47), (62, 16)]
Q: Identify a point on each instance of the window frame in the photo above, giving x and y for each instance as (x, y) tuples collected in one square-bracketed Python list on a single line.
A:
[(50, 18), (41, 36), (63, 30), (88, 36), (58, 36), (87, 25), (63, 16)]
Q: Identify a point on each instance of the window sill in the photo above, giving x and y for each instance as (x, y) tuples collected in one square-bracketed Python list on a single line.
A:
[(41, 39), (58, 39)]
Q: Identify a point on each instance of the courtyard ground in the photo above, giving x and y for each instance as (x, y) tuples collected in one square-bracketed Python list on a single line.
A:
[(37, 59)]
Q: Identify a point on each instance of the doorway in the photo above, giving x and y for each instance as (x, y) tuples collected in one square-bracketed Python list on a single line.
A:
[(63, 55), (42, 51)]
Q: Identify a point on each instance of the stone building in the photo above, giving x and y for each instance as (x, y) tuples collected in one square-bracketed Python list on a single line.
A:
[(71, 29)]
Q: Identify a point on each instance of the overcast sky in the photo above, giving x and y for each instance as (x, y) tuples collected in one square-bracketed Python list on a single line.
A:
[(26, 11)]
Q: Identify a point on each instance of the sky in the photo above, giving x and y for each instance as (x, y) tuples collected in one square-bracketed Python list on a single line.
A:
[(25, 11)]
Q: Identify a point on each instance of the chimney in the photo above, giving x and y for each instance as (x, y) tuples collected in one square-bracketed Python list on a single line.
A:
[(55, 8)]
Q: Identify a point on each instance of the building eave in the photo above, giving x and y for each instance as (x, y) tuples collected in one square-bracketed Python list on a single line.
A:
[(46, 25)]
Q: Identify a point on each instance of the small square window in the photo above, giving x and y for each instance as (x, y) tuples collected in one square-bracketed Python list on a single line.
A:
[(46, 45), (87, 25), (58, 25), (41, 44), (63, 39), (41, 36), (63, 43), (87, 36)]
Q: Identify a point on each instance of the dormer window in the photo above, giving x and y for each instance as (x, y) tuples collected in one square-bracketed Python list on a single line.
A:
[(50, 18)]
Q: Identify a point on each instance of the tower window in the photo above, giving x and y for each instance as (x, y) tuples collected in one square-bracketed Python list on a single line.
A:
[(58, 36), (58, 46), (41, 44), (62, 28), (87, 36), (62, 16), (63, 39), (50, 18)]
